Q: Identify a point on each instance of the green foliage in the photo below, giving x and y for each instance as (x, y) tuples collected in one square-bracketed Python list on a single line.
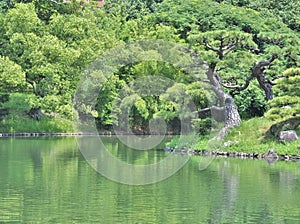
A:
[(19, 121), (248, 137), (107, 114), (12, 78), (251, 102), (287, 10), (45, 46), (21, 19), (51, 56), (205, 24), (17, 104), (49, 69), (202, 126), (126, 9), (286, 104), (46, 125)]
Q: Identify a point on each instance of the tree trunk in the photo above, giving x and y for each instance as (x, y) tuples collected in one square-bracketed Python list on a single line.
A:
[(258, 71), (231, 115)]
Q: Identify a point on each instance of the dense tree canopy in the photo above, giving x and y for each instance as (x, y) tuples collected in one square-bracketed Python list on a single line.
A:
[(12, 77), (286, 10), (246, 46)]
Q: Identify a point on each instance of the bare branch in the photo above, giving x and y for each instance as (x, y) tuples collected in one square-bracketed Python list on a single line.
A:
[(232, 42), (204, 109), (270, 81), (209, 47), (221, 68), (258, 71), (219, 109), (230, 48), (264, 63), (239, 87), (59, 3)]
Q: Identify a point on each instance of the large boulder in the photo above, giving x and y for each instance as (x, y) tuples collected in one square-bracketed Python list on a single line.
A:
[(288, 136), (288, 124)]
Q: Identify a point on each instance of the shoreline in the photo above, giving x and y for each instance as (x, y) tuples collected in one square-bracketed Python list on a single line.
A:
[(69, 134), (270, 158), (38, 134), (273, 157)]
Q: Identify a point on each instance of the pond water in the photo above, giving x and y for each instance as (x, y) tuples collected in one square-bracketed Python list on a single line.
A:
[(47, 180)]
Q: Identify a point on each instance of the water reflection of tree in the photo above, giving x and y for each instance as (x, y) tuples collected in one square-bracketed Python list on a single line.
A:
[(256, 191), (224, 211)]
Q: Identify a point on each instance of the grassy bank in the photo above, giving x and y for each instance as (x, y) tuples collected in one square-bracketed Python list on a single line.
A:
[(46, 125), (18, 120), (248, 137)]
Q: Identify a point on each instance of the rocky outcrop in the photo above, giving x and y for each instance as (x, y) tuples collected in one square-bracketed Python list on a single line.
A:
[(270, 156), (289, 124), (288, 136)]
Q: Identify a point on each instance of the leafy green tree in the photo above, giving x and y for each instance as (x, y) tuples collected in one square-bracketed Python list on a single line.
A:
[(44, 59), (12, 77), (251, 102), (109, 93), (233, 40), (131, 9), (284, 109), (287, 10), (53, 55), (44, 8), (49, 68), (85, 32), (286, 104)]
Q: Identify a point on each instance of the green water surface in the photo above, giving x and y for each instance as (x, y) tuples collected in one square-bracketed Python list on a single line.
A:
[(47, 180)]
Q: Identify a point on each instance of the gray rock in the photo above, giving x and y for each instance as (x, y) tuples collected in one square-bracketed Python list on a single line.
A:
[(271, 154), (288, 136)]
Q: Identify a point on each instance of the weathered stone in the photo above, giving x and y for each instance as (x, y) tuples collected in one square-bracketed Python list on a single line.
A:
[(288, 136), (270, 154), (275, 129)]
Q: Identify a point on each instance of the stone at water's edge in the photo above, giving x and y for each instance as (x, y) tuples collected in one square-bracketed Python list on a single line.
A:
[(288, 136), (270, 154)]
